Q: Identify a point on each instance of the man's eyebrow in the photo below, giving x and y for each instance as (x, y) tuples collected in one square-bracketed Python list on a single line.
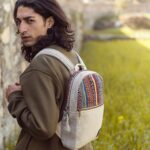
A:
[(26, 18)]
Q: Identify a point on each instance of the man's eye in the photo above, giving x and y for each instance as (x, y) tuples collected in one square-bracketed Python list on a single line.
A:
[(30, 21), (18, 22)]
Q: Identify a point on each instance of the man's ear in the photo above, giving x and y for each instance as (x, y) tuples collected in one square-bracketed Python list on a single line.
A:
[(50, 21)]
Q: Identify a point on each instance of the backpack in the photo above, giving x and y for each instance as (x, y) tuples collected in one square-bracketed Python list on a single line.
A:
[(84, 104)]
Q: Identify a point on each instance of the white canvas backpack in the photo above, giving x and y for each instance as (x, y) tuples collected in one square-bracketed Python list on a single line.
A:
[(83, 113)]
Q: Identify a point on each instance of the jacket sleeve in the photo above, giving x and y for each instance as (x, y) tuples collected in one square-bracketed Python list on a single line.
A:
[(36, 109), (16, 104)]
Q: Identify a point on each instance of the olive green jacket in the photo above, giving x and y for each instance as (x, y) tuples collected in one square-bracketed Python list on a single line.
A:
[(37, 106)]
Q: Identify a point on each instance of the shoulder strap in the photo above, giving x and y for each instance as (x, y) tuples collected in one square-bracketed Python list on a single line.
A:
[(61, 57), (58, 55)]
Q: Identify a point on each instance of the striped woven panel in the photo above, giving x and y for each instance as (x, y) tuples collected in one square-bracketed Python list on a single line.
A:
[(90, 92)]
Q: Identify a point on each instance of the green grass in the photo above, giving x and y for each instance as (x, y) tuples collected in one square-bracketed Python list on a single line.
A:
[(119, 31), (105, 31), (124, 66)]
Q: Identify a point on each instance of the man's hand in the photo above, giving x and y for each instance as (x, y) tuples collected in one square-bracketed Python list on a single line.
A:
[(12, 88)]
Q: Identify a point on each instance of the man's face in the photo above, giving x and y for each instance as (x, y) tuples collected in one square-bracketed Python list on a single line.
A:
[(31, 25)]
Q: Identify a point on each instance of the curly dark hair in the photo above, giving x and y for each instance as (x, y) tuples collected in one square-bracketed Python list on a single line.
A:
[(60, 34)]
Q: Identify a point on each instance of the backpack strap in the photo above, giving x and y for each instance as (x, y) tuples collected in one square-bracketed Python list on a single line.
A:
[(61, 57), (58, 55)]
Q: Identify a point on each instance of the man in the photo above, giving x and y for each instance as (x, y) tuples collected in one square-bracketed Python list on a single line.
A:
[(37, 100)]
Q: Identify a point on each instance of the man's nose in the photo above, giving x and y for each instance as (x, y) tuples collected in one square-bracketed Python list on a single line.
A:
[(22, 27)]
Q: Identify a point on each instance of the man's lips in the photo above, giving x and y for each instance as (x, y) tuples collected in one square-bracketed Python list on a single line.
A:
[(26, 38)]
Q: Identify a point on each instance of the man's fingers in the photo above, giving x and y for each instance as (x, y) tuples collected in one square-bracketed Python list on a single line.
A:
[(12, 88)]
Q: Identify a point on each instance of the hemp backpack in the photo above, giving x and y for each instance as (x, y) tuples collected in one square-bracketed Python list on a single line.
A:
[(84, 105)]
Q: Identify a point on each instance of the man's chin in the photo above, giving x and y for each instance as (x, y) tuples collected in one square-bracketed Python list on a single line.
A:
[(27, 44)]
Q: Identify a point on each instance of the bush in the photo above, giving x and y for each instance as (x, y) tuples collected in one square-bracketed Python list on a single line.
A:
[(137, 22), (105, 21)]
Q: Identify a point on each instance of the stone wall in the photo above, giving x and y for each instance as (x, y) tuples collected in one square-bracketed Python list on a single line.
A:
[(10, 67), (74, 11)]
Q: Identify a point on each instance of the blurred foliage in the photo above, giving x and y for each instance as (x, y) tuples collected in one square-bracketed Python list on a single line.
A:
[(123, 4), (137, 22), (143, 1), (124, 30), (106, 21), (111, 20), (124, 66)]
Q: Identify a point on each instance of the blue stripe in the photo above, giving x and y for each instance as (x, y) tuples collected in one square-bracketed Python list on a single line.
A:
[(85, 95)]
